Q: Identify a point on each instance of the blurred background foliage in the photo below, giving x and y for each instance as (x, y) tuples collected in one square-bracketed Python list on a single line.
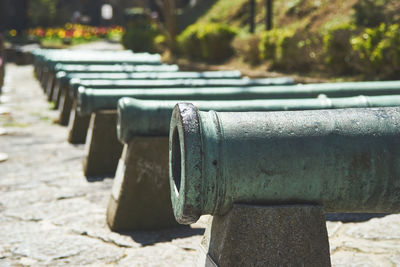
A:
[(330, 37)]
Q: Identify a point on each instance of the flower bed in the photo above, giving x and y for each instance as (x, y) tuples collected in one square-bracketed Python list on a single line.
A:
[(70, 34)]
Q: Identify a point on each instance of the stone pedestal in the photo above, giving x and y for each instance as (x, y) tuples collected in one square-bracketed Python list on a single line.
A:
[(50, 85), (249, 235), (102, 146), (141, 196), (65, 107), (57, 93), (44, 78), (78, 126)]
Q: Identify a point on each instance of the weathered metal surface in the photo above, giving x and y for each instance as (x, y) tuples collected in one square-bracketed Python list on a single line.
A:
[(86, 57), (92, 99), (346, 160), (64, 77), (48, 60), (114, 68), (78, 68), (235, 74), (174, 83), (137, 117)]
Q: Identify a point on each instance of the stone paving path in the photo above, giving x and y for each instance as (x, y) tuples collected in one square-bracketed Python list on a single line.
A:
[(50, 215)]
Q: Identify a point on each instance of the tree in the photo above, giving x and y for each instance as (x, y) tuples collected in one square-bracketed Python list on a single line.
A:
[(42, 12), (268, 22), (169, 10)]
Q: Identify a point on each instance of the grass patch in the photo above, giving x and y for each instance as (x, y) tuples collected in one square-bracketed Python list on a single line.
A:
[(15, 124), (52, 105)]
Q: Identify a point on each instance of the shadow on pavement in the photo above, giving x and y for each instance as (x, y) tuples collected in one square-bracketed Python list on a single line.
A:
[(93, 179), (353, 217), (146, 238)]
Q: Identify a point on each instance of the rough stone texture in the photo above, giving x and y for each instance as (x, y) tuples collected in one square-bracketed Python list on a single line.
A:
[(50, 85), (140, 196), (250, 235), (46, 198), (78, 126), (102, 145), (57, 94), (50, 214), (64, 107)]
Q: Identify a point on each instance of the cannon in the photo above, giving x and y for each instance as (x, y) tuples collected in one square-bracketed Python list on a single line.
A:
[(65, 103), (97, 69), (45, 61), (42, 57), (106, 99), (344, 160), (152, 117), (143, 127), (92, 99), (63, 78), (99, 120), (208, 81), (102, 103), (49, 63), (267, 178)]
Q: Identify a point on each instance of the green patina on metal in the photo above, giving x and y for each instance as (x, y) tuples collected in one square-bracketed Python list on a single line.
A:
[(137, 117), (47, 62), (50, 58), (98, 68), (263, 89), (75, 83), (158, 75), (95, 99), (347, 160)]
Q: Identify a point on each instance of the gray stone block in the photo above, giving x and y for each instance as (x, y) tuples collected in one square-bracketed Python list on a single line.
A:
[(65, 107), (49, 86), (102, 147), (249, 235), (57, 93), (78, 126), (140, 196)]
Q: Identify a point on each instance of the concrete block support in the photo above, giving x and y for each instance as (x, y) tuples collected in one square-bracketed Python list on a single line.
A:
[(102, 146), (78, 126), (57, 93), (64, 107), (140, 196), (50, 85), (248, 235)]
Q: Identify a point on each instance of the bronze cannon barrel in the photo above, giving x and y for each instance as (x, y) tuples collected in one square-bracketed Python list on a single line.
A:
[(346, 160), (138, 117), (94, 99)]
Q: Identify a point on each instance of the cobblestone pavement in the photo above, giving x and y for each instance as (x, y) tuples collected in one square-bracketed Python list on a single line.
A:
[(50, 215)]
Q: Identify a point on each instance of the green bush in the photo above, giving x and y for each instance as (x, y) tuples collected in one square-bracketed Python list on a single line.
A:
[(141, 36), (378, 51), (271, 43), (289, 50), (210, 41), (338, 50)]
